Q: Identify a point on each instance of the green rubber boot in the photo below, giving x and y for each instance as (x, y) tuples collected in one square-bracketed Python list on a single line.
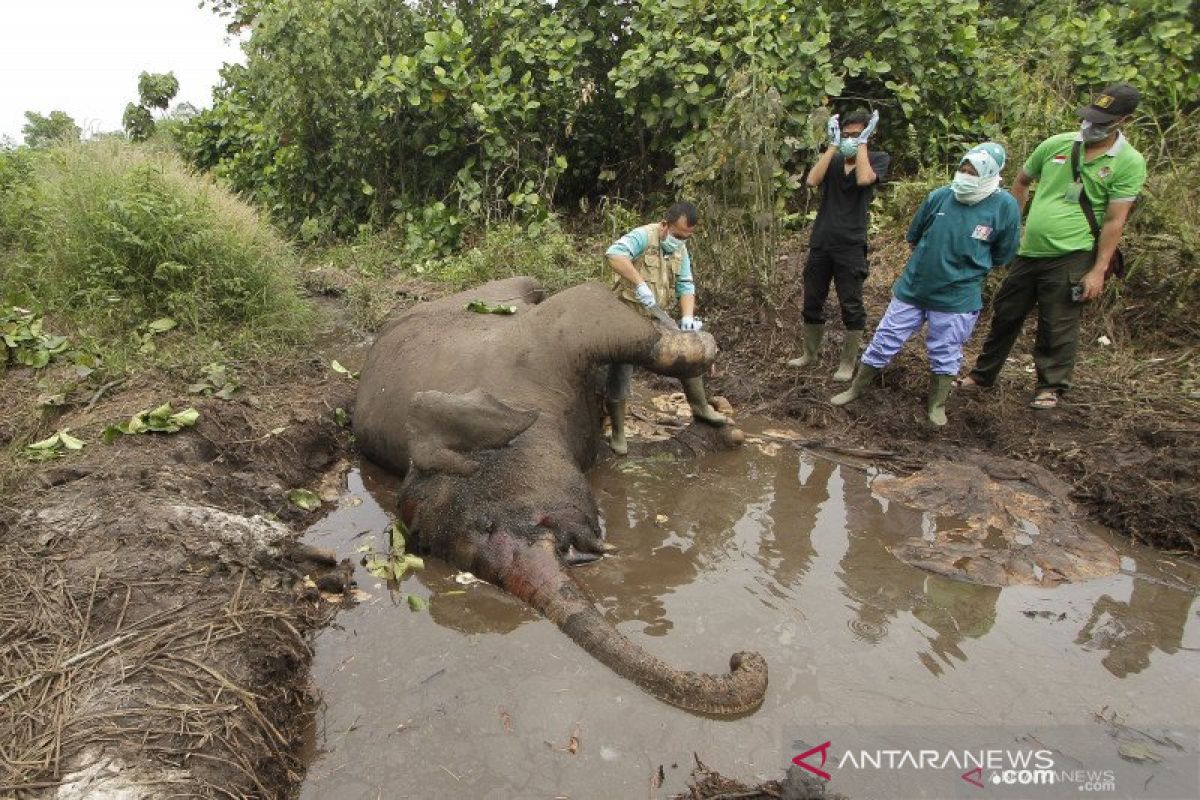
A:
[(861, 381), (693, 389), (811, 342), (849, 357), (616, 415), (939, 390)]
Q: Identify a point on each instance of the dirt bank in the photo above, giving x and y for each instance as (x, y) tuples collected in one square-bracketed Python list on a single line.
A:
[(153, 614), (1127, 437)]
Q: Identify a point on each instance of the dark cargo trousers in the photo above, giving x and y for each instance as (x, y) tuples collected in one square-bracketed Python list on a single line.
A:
[(1046, 283), (846, 268)]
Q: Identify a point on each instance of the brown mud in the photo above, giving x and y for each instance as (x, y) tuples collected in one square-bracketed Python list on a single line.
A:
[(157, 617)]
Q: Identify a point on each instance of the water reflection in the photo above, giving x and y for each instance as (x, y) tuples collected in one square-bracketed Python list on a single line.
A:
[(1154, 618), (882, 589), (675, 520), (781, 552)]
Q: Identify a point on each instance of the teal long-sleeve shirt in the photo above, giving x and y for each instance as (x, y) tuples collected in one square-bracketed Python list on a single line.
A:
[(955, 245)]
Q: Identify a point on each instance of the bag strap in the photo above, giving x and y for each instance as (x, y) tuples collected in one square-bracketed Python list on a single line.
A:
[(1084, 201)]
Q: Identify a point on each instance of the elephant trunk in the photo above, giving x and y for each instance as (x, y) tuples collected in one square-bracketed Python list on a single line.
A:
[(532, 577)]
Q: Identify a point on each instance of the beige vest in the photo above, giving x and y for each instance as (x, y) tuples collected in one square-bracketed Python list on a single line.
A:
[(657, 269)]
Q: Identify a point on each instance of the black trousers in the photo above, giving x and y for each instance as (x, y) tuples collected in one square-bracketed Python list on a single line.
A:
[(846, 268)]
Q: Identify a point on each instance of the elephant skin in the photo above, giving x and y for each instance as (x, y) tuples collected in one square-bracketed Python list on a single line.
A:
[(492, 420)]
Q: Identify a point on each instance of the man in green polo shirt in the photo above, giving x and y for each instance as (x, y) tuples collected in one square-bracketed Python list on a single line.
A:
[(1061, 265)]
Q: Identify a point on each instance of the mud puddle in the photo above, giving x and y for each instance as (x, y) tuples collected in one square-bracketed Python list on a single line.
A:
[(767, 548)]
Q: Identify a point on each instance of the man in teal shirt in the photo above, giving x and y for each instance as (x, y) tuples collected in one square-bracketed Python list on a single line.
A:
[(958, 235), (1061, 265)]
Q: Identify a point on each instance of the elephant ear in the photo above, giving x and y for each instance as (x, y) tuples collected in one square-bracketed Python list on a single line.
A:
[(445, 428)]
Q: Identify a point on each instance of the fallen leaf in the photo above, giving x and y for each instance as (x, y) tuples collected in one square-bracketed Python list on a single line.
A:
[(304, 499), (1135, 751), (161, 325)]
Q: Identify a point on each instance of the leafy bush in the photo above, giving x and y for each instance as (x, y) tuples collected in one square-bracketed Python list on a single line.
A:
[(543, 251), (114, 236)]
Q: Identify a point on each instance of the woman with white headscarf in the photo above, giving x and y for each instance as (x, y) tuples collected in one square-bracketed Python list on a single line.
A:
[(959, 234)]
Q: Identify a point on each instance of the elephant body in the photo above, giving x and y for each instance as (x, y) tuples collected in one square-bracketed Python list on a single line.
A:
[(492, 420)]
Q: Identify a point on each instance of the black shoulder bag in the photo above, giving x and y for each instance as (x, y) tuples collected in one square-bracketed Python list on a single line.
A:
[(1116, 264)]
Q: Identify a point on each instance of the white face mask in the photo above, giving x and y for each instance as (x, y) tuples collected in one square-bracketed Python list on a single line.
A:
[(970, 189), (670, 243)]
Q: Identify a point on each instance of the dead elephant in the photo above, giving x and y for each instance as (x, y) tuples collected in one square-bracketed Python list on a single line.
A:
[(493, 419)]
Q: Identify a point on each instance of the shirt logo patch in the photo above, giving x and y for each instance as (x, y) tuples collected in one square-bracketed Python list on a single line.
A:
[(981, 232), (1104, 173), (1059, 159)]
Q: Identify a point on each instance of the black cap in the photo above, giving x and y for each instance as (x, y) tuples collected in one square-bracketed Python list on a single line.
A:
[(1114, 102)]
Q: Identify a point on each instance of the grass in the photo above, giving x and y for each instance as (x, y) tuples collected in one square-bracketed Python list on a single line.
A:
[(105, 237)]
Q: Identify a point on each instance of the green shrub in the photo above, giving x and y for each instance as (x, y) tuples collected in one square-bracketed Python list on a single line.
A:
[(113, 235), (541, 250)]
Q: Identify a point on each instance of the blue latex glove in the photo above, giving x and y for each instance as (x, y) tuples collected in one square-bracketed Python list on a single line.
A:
[(833, 129), (644, 295), (867, 131), (690, 324)]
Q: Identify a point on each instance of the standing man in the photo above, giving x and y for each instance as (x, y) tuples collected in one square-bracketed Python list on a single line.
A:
[(847, 173), (652, 269), (1087, 182)]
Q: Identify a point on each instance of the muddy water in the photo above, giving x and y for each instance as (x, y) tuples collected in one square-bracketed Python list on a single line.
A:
[(784, 553)]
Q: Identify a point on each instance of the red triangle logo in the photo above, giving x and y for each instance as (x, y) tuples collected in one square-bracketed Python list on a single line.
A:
[(974, 777)]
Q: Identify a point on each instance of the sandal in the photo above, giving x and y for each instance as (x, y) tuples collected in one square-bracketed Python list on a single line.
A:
[(968, 383), (1044, 401)]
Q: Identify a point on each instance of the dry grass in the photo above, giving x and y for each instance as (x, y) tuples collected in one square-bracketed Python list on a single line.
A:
[(85, 665)]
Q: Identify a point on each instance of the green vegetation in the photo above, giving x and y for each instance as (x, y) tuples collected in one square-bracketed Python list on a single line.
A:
[(442, 126), (121, 239), (44, 131), (155, 90)]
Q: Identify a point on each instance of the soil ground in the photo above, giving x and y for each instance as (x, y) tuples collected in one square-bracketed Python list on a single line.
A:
[(1126, 437), (155, 615)]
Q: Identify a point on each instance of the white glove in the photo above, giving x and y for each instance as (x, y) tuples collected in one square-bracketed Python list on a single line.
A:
[(690, 324), (644, 295), (870, 128), (834, 130)]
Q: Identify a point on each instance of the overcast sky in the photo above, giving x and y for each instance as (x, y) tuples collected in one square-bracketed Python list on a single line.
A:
[(83, 56)]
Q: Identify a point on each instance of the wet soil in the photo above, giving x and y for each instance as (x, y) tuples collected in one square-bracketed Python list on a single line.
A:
[(1126, 438), (158, 625)]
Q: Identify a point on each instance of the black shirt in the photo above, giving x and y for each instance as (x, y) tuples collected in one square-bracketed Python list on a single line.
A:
[(842, 218)]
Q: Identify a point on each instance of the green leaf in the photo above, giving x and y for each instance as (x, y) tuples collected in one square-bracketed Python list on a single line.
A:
[(379, 567), (161, 325), (341, 417), (480, 307), (415, 603), (336, 366), (69, 441), (112, 433), (186, 418), (304, 499), (398, 533), (49, 443)]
